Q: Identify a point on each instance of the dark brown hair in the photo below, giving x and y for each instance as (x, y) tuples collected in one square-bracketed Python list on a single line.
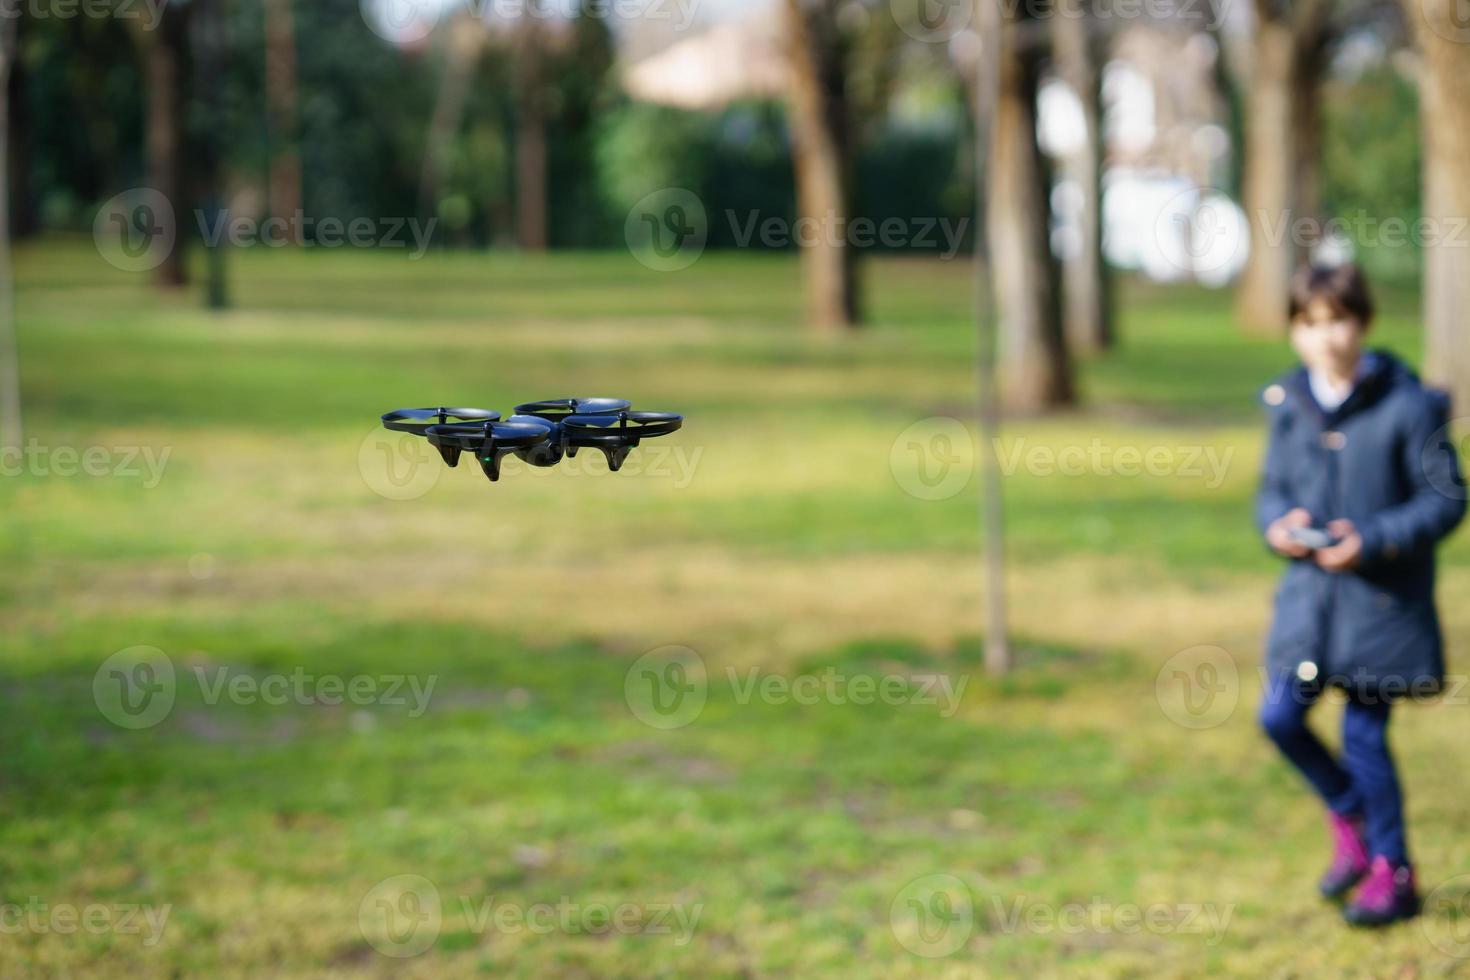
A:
[(1342, 286)]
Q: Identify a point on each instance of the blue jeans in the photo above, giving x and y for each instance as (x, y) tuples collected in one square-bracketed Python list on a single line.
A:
[(1364, 783)]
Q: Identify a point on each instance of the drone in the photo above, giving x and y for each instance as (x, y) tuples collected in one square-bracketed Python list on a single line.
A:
[(540, 433)]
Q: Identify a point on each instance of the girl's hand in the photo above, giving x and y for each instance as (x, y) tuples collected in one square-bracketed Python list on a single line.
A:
[(1278, 535), (1347, 553)]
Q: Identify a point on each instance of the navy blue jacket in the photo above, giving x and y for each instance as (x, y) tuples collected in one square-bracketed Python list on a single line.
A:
[(1383, 459)]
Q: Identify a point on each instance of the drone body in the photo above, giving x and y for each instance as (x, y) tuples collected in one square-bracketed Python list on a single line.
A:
[(540, 433)]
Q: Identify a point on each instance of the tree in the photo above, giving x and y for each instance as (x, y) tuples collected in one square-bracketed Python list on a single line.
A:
[(10, 424), (281, 105), (531, 84), (1087, 304), (821, 147), (1282, 140), (1444, 100), (985, 89), (164, 50), (1035, 369)]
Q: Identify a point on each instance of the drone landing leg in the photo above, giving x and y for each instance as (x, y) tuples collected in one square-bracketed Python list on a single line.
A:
[(490, 462), (450, 454), (616, 456)]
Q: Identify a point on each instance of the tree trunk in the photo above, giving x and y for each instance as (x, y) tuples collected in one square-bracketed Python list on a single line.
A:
[(164, 53), (986, 84), (531, 219), (281, 102), (1444, 109), (821, 157), (1306, 150), (1282, 145), (1270, 168), (1035, 369), (1087, 303), (25, 219), (10, 423)]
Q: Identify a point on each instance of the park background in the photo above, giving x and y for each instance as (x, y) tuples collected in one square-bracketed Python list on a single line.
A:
[(197, 491)]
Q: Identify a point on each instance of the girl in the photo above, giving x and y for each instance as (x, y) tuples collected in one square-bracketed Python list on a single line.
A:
[(1360, 483)]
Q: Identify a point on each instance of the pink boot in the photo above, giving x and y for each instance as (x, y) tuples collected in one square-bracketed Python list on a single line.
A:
[(1349, 856), (1386, 896)]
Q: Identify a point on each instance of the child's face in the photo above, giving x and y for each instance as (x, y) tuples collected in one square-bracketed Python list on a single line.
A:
[(1327, 340)]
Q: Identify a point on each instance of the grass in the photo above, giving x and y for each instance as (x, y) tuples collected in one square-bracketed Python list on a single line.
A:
[(775, 833)]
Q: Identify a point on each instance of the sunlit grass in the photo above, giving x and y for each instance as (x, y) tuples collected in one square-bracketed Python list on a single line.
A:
[(776, 531)]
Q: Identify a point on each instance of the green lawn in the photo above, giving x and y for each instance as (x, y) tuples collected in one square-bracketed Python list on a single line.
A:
[(493, 797)]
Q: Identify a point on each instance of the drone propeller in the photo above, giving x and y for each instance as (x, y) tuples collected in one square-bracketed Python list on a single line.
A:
[(616, 434), (557, 409), (416, 420)]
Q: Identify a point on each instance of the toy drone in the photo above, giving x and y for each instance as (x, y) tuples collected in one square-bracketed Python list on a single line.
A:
[(541, 433)]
